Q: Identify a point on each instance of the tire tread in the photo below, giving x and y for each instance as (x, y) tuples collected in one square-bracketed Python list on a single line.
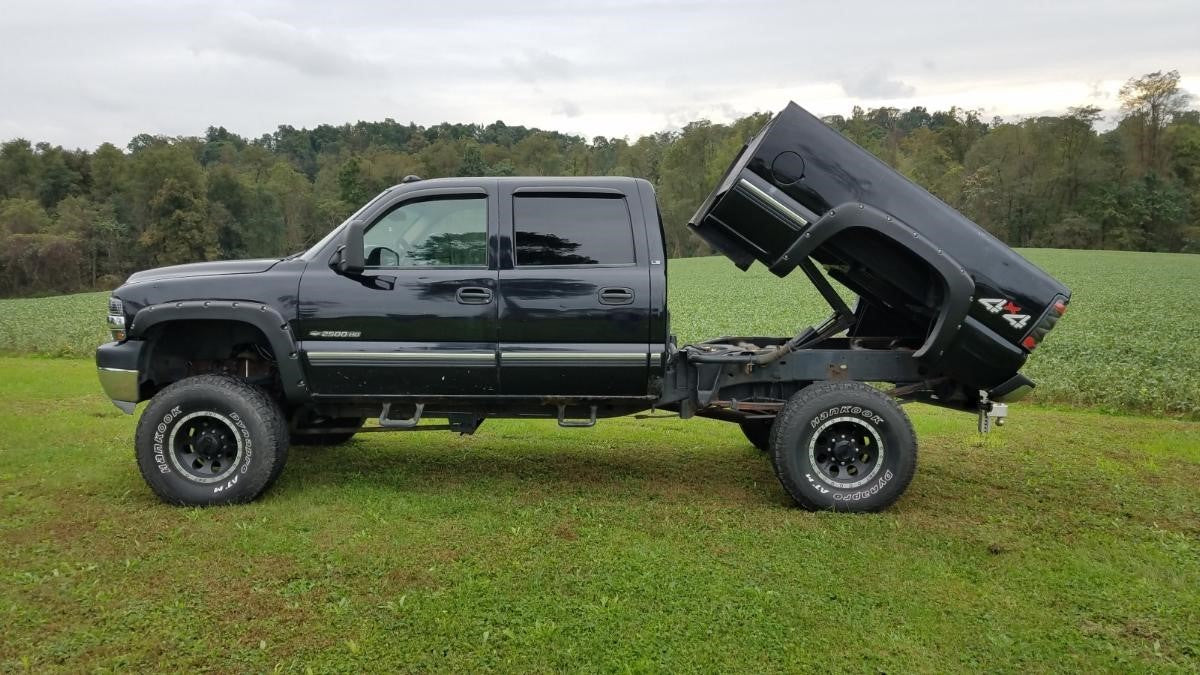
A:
[(798, 404), (264, 407)]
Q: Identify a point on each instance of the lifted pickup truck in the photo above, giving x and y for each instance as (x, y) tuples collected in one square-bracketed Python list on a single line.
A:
[(460, 299)]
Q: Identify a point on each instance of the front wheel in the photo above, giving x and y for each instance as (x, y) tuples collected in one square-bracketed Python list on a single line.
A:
[(844, 446), (211, 439)]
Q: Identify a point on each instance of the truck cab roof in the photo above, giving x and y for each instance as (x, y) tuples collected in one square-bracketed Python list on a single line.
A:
[(519, 181)]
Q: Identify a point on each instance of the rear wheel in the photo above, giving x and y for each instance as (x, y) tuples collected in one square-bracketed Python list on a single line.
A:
[(211, 439), (844, 446), (758, 432)]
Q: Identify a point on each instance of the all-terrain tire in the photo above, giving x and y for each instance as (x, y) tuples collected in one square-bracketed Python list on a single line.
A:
[(758, 432), (330, 439), (209, 440), (843, 446)]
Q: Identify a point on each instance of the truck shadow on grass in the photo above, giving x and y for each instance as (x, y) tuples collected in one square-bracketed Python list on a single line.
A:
[(729, 474)]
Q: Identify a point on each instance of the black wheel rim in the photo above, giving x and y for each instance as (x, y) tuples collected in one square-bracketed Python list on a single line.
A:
[(846, 452), (205, 447)]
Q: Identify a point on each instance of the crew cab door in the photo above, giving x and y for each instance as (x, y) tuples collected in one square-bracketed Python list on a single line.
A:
[(574, 292), (421, 319)]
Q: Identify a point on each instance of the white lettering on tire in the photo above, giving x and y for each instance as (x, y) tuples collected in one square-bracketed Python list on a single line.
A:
[(160, 431), (866, 413), (247, 442), (863, 494)]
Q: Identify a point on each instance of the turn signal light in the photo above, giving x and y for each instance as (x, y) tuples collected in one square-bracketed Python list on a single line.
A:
[(1060, 307)]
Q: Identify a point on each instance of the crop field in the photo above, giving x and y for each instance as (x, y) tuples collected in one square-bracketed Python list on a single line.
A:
[(1130, 342)]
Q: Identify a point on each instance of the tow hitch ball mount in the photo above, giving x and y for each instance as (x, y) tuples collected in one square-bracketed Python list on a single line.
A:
[(990, 412)]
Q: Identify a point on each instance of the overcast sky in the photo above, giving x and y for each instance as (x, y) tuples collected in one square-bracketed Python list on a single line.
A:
[(80, 73)]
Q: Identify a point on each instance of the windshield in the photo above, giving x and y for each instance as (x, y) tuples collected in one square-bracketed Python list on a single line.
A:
[(317, 247)]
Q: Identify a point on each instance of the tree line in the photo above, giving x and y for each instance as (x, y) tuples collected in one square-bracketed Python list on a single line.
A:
[(74, 219)]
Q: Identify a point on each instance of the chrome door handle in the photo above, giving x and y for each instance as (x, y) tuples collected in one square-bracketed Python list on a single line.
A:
[(616, 296), (473, 295)]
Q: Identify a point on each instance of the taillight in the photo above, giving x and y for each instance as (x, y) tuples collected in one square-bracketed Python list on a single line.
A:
[(1049, 319)]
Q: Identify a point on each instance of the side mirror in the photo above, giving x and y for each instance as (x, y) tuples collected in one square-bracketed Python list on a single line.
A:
[(349, 258)]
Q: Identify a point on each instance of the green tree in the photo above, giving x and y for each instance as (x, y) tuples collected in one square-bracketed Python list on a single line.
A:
[(180, 230), (18, 169), (94, 227), (352, 184), (22, 216), (1150, 102), (472, 162)]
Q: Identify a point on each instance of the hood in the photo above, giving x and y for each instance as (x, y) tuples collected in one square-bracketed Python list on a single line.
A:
[(202, 269)]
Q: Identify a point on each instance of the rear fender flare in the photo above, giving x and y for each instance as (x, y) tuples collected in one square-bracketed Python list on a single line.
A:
[(263, 317), (959, 285)]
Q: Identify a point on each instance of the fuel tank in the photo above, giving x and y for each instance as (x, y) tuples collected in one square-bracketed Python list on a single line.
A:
[(972, 307)]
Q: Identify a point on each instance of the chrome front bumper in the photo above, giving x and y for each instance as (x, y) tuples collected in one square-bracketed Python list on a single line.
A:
[(121, 386), (117, 368)]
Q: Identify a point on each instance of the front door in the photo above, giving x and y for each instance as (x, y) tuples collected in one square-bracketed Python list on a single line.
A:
[(574, 294), (422, 319)]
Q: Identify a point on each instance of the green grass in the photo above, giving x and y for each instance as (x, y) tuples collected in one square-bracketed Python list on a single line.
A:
[(1067, 541), (1129, 343)]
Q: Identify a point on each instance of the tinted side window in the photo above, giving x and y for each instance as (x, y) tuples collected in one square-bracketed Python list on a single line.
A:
[(572, 230), (440, 232)]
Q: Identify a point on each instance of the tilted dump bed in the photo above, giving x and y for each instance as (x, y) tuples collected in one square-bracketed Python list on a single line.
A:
[(968, 306)]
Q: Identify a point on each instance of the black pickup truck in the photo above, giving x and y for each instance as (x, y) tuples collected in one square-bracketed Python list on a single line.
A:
[(460, 299)]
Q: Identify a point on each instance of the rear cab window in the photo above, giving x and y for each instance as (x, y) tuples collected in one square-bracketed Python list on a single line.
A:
[(572, 230)]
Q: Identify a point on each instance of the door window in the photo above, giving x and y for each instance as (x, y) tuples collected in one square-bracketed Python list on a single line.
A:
[(437, 232), (572, 230)]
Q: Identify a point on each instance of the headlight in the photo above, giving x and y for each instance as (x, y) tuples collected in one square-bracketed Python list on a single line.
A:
[(116, 319)]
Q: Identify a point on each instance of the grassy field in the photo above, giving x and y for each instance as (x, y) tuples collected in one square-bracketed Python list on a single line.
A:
[(1067, 541), (1130, 341)]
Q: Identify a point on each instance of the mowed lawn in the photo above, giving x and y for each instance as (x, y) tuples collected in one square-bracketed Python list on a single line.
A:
[(1066, 541), (1130, 342)]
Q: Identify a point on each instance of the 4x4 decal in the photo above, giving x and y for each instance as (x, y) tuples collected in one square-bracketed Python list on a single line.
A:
[(1011, 311)]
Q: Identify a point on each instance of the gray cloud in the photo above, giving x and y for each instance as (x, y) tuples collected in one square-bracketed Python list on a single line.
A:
[(875, 84), (537, 65), (309, 51), (567, 108)]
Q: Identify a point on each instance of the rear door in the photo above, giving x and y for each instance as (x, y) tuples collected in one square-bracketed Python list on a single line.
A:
[(574, 292), (421, 319)]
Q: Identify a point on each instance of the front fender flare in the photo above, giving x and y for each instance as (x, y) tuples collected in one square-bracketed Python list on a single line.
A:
[(262, 316)]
